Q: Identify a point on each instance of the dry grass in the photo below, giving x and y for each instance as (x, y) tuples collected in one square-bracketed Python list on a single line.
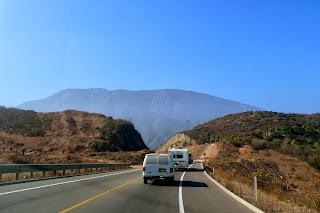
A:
[(290, 185), (304, 179), (265, 202)]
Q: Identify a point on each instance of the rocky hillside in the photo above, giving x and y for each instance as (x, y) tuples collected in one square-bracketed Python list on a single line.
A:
[(27, 133), (293, 134), (157, 114), (282, 150), (245, 123)]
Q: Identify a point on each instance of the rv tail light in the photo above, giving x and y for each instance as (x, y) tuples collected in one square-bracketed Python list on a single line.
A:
[(144, 169), (171, 170)]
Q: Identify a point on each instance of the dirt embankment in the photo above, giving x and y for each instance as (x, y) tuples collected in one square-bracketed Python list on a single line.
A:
[(178, 140), (206, 151), (282, 178)]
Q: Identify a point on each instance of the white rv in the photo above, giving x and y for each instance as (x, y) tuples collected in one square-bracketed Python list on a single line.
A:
[(180, 158)]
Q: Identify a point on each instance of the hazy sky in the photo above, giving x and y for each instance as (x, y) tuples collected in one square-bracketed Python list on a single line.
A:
[(262, 53)]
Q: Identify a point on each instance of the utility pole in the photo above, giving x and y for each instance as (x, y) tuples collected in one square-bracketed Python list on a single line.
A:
[(187, 125)]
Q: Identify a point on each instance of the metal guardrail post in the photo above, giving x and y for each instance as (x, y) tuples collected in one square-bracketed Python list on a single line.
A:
[(17, 176), (43, 173), (64, 172), (0, 177), (31, 174), (55, 173)]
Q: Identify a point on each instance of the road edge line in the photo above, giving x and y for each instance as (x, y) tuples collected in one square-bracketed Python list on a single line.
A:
[(181, 207), (236, 197)]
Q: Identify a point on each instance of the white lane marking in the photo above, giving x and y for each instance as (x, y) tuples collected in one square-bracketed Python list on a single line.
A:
[(181, 208), (72, 181)]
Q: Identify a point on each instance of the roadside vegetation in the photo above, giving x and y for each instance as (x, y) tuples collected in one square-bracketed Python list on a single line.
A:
[(25, 122), (285, 183), (281, 150), (292, 134)]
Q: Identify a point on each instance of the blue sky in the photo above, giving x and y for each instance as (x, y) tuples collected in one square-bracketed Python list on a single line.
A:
[(262, 53)]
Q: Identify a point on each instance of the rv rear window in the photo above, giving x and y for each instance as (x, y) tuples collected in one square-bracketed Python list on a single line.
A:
[(163, 160), (177, 156), (152, 160)]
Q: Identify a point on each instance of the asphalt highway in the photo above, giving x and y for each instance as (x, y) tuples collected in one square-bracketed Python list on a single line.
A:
[(119, 191)]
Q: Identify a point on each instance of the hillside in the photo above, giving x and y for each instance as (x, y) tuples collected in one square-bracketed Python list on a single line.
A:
[(282, 150), (157, 114), (28, 136), (297, 135)]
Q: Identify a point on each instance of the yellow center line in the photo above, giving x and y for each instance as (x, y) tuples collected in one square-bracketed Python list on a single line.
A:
[(86, 201)]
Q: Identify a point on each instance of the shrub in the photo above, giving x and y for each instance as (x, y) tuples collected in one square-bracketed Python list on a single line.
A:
[(298, 130), (258, 144), (275, 135), (257, 134), (264, 179), (205, 138), (230, 186), (72, 125), (36, 132), (24, 122), (315, 162), (237, 142), (96, 146), (275, 144)]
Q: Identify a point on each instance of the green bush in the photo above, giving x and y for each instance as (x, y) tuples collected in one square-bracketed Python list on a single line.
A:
[(96, 146), (205, 138), (257, 135), (275, 135)]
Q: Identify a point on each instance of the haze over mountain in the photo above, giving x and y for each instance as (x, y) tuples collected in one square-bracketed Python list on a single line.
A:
[(156, 114)]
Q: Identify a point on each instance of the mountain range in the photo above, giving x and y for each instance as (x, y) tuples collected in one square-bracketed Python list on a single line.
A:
[(156, 114)]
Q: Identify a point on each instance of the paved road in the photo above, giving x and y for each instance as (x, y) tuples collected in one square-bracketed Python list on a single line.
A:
[(119, 191)]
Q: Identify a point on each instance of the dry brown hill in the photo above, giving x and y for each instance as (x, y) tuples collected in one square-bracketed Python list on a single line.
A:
[(282, 150), (69, 136), (244, 123), (297, 135)]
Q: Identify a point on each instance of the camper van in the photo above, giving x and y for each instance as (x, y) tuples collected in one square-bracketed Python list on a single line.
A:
[(158, 166), (180, 158)]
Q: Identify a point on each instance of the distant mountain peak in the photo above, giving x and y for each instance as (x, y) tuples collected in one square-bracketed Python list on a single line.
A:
[(156, 114)]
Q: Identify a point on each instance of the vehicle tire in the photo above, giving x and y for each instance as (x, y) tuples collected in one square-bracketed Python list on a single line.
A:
[(145, 180)]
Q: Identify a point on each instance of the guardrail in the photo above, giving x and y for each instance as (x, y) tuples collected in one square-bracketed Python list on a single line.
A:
[(19, 168)]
